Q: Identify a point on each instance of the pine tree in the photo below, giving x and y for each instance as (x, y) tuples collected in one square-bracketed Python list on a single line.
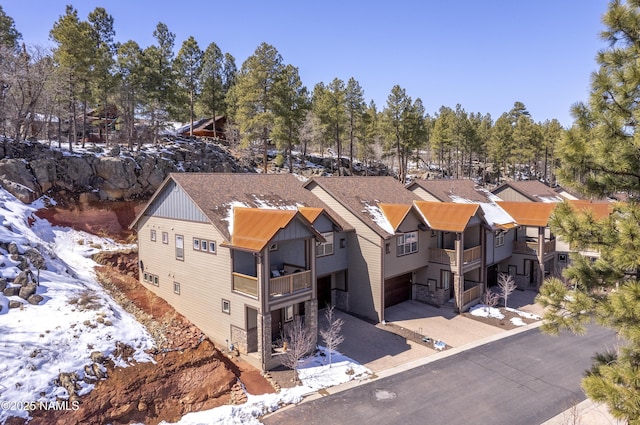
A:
[(102, 77), (73, 56), (329, 106), (211, 99), (188, 66), (600, 157), (159, 87), (129, 68), (253, 98), (291, 110), (9, 35), (355, 105)]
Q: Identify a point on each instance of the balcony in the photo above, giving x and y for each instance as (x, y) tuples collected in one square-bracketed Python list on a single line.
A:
[(289, 283), (531, 247), (245, 284), (474, 292), (448, 256)]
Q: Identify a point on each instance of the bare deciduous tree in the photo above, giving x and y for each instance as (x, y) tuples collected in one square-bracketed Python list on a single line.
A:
[(490, 299), (507, 285), (300, 343), (331, 335)]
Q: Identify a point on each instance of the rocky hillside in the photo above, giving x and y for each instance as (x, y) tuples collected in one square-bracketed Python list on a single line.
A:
[(31, 169)]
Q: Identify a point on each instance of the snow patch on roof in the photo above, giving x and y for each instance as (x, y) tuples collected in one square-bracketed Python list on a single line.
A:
[(229, 217), (378, 217), (494, 215), (549, 198), (263, 204)]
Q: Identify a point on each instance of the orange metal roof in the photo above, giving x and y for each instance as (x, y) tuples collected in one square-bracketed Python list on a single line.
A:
[(529, 213), (310, 213), (447, 216), (599, 210), (253, 228), (395, 213)]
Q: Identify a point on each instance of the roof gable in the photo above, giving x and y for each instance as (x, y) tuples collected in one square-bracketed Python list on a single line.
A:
[(254, 228), (529, 214), (534, 190), (453, 190), (395, 214), (218, 193), (447, 216), (362, 196)]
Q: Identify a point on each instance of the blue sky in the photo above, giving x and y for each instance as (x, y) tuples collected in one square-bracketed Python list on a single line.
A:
[(484, 55)]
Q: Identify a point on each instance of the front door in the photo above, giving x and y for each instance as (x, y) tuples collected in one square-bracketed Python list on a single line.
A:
[(324, 291), (276, 324)]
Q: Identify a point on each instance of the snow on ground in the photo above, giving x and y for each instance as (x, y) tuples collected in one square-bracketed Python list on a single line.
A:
[(482, 310), (314, 373), (75, 318)]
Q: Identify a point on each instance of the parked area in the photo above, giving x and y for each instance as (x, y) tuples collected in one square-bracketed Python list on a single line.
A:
[(379, 348)]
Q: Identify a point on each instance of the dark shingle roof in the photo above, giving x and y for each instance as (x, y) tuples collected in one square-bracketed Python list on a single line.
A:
[(453, 190), (216, 193), (533, 189), (362, 195)]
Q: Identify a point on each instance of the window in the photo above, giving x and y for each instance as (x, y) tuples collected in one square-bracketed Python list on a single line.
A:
[(562, 258), (273, 247), (165, 237), (500, 238), (226, 306), (407, 243), (176, 288), (204, 245), (179, 247), (153, 235), (326, 247), (288, 313), (151, 278), (343, 243)]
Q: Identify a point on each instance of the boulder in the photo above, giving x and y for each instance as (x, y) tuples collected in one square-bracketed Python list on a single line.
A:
[(36, 259), (15, 304), (18, 179), (27, 290), (3, 284), (97, 357), (35, 299), (13, 249), (24, 278), (11, 291)]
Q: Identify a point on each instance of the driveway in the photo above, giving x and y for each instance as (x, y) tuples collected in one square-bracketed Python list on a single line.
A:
[(377, 348)]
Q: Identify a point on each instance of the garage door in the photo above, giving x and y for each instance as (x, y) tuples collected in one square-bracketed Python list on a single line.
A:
[(397, 289)]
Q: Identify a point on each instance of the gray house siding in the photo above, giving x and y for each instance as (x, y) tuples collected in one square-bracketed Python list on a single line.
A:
[(395, 264), (364, 249), (509, 194), (172, 202)]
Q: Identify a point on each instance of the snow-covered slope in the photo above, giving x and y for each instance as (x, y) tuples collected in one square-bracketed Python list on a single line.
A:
[(75, 318)]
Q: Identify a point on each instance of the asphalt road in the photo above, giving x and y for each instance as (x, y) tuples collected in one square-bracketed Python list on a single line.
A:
[(525, 379)]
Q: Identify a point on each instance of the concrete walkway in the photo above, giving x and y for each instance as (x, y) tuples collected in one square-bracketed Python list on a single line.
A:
[(386, 353)]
